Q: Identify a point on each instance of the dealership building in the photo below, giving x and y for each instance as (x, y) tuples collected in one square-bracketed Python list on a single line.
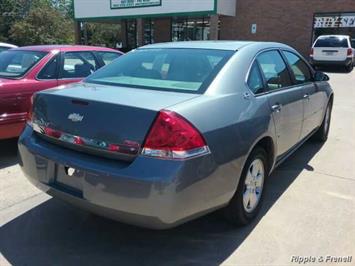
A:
[(295, 22)]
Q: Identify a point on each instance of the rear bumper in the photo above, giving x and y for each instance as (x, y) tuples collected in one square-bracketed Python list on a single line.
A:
[(147, 192), (346, 62)]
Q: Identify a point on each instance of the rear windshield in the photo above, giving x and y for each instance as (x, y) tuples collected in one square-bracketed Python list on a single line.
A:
[(185, 70), (332, 42), (14, 64), (3, 49)]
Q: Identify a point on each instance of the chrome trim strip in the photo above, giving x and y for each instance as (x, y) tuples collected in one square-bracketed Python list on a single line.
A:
[(128, 148)]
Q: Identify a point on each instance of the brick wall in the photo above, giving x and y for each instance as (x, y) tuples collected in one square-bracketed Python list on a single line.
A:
[(287, 21), (162, 30)]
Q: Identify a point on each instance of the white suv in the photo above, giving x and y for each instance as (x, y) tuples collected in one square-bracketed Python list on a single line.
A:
[(333, 50)]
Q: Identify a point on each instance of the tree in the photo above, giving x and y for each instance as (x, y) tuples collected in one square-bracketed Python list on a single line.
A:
[(103, 34), (10, 12), (43, 25), (66, 7)]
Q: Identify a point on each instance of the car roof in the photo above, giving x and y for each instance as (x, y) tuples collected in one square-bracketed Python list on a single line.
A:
[(65, 48), (2, 44), (333, 36), (217, 45)]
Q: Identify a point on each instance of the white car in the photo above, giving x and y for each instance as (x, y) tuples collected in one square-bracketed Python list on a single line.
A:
[(333, 50), (6, 46)]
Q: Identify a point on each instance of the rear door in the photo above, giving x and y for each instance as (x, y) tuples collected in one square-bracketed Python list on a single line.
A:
[(76, 66), (285, 100), (16, 93), (331, 49), (43, 78), (313, 98)]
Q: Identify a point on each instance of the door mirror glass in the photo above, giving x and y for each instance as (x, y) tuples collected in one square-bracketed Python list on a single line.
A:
[(320, 76)]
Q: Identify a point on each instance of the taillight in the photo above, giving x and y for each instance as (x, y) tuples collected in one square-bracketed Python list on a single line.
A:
[(173, 137), (350, 52), (312, 52), (29, 117), (52, 133)]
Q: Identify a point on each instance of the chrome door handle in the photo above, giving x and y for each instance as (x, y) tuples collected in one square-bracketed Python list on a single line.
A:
[(306, 96), (246, 95), (276, 108)]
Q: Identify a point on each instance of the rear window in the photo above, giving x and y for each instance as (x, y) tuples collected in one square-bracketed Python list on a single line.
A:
[(332, 42), (14, 64), (3, 49), (185, 70)]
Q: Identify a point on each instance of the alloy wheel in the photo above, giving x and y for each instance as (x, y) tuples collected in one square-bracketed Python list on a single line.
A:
[(253, 185)]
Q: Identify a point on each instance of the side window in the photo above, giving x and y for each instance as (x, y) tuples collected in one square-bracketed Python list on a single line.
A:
[(50, 70), (107, 57), (299, 68), (274, 69), (255, 81), (78, 65)]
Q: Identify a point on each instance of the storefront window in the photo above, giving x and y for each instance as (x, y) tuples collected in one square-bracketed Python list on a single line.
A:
[(131, 34), (188, 29), (148, 31)]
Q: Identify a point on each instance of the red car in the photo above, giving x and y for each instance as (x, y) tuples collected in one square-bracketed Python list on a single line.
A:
[(26, 70)]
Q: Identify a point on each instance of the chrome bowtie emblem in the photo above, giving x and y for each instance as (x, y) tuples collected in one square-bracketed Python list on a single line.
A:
[(70, 171), (76, 117)]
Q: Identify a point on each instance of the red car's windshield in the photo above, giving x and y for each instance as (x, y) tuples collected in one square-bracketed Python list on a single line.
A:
[(15, 64)]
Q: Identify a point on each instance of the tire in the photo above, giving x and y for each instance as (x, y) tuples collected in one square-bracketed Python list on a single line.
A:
[(322, 133), (350, 68), (239, 211)]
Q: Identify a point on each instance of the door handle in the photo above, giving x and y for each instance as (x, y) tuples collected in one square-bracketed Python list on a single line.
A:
[(306, 96), (276, 107), (246, 95)]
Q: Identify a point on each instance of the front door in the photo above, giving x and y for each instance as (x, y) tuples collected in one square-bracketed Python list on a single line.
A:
[(285, 100), (76, 66), (313, 98)]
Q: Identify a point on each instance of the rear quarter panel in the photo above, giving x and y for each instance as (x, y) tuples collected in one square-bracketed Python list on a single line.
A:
[(231, 123)]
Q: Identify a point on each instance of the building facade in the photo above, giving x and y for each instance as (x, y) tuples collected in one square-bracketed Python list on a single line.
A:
[(294, 22)]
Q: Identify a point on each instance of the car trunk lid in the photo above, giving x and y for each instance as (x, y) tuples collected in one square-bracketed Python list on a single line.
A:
[(104, 120)]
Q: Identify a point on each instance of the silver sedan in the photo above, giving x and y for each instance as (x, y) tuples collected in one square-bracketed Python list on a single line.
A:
[(172, 131)]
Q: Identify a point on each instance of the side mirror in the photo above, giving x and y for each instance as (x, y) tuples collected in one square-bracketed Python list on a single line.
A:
[(320, 76)]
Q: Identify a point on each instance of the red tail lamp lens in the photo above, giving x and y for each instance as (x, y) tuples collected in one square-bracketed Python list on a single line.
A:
[(52, 133), (312, 52), (114, 147), (350, 52), (30, 111), (173, 136), (78, 141)]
